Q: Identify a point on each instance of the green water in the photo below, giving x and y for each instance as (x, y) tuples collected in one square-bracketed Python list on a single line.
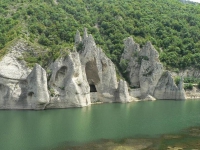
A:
[(27, 130)]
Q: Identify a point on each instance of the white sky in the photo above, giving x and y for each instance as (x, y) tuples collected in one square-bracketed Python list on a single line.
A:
[(196, 1)]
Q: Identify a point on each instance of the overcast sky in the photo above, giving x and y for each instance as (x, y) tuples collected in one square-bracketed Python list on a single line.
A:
[(196, 1)]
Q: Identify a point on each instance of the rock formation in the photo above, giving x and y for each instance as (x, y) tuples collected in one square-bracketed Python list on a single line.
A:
[(99, 69), (123, 94), (167, 89), (146, 72), (20, 88), (37, 92), (68, 83), (13, 67), (130, 56), (150, 71), (83, 77)]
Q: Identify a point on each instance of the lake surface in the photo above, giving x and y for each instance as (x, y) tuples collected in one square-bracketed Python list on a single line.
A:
[(32, 130)]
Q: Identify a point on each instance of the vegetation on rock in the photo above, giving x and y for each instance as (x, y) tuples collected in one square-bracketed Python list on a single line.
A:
[(171, 26)]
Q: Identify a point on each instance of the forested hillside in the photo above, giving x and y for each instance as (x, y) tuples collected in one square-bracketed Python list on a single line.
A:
[(172, 27)]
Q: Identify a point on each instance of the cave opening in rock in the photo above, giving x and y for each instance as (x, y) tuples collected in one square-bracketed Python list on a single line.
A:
[(92, 75), (30, 94), (93, 88)]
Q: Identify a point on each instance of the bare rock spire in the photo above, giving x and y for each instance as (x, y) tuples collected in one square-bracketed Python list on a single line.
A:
[(78, 38)]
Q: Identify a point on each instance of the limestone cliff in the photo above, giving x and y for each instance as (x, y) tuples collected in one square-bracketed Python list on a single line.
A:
[(20, 88), (130, 56), (146, 72), (81, 78), (167, 89), (84, 77), (99, 69), (68, 83), (37, 91)]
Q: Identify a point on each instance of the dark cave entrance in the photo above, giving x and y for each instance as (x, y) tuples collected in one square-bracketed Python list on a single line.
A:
[(30, 94), (92, 75), (93, 88)]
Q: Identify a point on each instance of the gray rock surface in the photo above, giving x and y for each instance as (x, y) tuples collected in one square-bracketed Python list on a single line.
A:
[(30, 93), (167, 89), (150, 71), (68, 83), (84, 77), (11, 66), (78, 38), (146, 71), (99, 69), (130, 56), (37, 92), (21, 88), (123, 94), (149, 98)]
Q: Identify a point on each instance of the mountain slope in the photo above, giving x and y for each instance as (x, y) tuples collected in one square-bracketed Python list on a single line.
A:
[(171, 26)]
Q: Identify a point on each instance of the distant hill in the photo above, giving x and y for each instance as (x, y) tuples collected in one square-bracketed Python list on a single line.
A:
[(171, 26)]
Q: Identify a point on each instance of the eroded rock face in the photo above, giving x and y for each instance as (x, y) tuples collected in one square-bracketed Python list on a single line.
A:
[(75, 80), (130, 56), (13, 67), (78, 37), (37, 92), (18, 83), (68, 83), (146, 71), (13, 94), (123, 94), (167, 89), (30, 93), (150, 71), (100, 71)]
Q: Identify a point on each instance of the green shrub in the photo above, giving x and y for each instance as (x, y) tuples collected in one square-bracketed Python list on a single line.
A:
[(198, 85), (177, 80), (188, 86), (79, 47), (191, 80), (123, 65)]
